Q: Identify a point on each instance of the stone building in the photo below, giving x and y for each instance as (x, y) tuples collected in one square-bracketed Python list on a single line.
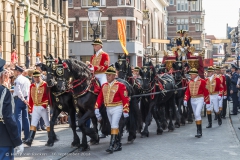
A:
[(144, 20), (186, 15), (45, 36)]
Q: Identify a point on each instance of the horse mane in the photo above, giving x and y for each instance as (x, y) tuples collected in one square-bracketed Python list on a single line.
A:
[(79, 69)]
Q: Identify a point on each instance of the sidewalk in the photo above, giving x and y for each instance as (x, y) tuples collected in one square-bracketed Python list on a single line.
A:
[(235, 120)]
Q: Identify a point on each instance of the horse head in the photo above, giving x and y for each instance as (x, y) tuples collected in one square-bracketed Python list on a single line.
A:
[(148, 74), (123, 67), (62, 73), (50, 68), (161, 69), (178, 69)]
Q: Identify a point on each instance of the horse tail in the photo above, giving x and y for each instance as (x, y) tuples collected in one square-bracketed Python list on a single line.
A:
[(134, 116)]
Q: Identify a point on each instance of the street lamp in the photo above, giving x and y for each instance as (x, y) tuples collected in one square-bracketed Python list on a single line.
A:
[(76, 34), (46, 18), (21, 7), (94, 15), (148, 50)]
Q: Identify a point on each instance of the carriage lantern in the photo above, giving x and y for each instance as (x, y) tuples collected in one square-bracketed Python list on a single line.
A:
[(94, 15), (148, 50)]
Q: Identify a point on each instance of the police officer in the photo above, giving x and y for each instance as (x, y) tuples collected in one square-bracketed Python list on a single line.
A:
[(8, 127), (115, 97), (20, 94), (234, 90)]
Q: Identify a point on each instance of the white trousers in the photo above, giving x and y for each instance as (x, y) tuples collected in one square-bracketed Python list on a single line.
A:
[(221, 102), (38, 112), (102, 78), (114, 114), (197, 104), (214, 103)]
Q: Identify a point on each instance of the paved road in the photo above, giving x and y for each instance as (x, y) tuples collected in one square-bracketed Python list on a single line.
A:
[(219, 143)]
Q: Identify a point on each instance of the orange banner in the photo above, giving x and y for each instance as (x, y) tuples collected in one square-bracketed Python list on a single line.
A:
[(122, 34)]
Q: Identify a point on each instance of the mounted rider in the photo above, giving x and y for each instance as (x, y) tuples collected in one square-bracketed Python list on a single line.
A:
[(183, 44), (196, 90), (100, 61), (114, 95), (215, 89)]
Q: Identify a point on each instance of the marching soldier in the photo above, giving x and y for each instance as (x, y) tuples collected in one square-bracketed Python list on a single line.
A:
[(20, 94), (183, 43), (10, 137), (198, 93), (234, 89), (215, 89), (100, 61), (115, 97), (223, 102), (38, 102)]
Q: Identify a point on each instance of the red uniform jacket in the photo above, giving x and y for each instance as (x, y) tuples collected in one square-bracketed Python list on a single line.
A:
[(223, 81), (100, 62), (113, 96), (214, 86), (38, 95), (197, 89)]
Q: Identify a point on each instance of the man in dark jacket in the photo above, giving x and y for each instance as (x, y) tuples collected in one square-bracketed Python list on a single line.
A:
[(8, 126), (228, 84), (234, 89)]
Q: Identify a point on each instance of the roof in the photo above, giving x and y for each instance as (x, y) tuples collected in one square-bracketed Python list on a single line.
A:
[(212, 37)]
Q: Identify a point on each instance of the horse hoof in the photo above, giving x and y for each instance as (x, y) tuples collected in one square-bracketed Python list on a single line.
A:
[(130, 142), (83, 149), (170, 130), (49, 144), (143, 135), (177, 125)]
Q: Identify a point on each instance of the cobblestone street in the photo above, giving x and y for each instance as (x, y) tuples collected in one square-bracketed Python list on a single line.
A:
[(216, 143)]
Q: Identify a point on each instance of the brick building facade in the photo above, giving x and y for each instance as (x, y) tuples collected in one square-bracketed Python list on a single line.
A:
[(138, 32), (44, 38), (186, 15)]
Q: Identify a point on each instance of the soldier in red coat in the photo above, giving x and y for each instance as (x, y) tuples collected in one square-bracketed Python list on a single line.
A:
[(196, 90), (114, 95), (215, 89), (38, 101), (100, 61)]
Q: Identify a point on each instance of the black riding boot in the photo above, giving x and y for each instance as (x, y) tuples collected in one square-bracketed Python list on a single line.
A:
[(118, 143), (209, 121), (215, 118), (30, 139), (111, 145), (199, 131), (219, 119)]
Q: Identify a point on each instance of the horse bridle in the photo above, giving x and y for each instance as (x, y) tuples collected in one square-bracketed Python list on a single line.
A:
[(50, 65), (121, 70)]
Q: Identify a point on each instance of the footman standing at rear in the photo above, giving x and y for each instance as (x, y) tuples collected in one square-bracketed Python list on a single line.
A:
[(196, 90), (115, 97)]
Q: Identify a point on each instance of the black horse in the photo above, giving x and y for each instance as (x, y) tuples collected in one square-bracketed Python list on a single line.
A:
[(154, 105), (125, 72), (181, 82), (161, 69), (59, 101)]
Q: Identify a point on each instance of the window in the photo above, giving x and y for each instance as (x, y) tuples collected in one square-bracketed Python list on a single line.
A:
[(70, 32), (171, 2), (55, 45), (60, 8), (139, 36), (47, 44), (182, 24), (88, 3), (182, 5), (37, 41), (45, 4), (139, 4), (125, 2), (85, 58), (197, 6), (171, 20), (13, 34), (197, 27), (70, 3), (63, 53), (193, 6), (53, 5), (87, 33), (128, 30), (193, 20), (197, 20)]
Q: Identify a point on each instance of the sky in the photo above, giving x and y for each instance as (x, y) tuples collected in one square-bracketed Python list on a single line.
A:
[(218, 13)]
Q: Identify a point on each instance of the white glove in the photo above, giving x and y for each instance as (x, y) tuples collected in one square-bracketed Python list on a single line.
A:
[(125, 115), (91, 67), (219, 98), (224, 97), (182, 49), (185, 103), (185, 48), (20, 149), (98, 115)]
